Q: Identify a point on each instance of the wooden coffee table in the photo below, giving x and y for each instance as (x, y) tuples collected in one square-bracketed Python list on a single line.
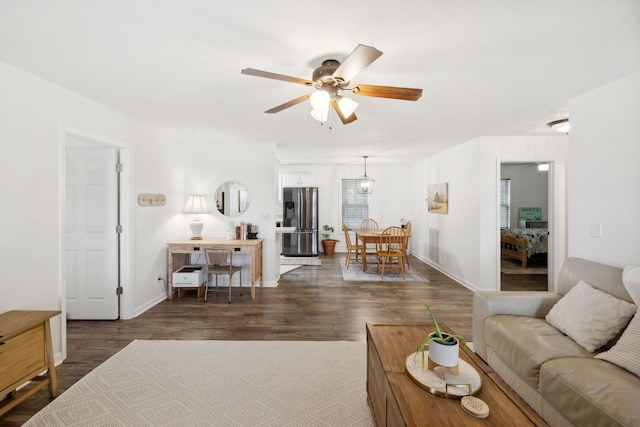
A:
[(396, 400)]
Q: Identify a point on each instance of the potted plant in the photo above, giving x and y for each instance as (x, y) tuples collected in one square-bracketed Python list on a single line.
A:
[(328, 244), (444, 348)]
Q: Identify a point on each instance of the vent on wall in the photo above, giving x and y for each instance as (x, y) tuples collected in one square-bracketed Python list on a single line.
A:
[(434, 245)]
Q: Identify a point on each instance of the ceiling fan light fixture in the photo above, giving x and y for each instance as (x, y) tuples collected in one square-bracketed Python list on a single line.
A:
[(347, 106), (320, 101), (320, 115), (562, 125), (365, 183)]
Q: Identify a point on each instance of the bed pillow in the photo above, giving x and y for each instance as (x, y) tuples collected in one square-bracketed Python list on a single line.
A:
[(631, 280), (590, 316), (625, 352)]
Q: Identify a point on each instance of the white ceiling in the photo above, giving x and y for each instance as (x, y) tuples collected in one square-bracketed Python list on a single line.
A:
[(491, 67)]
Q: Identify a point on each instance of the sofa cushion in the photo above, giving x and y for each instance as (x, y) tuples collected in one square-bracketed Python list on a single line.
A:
[(590, 316), (591, 392), (626, 352), (525, 343)]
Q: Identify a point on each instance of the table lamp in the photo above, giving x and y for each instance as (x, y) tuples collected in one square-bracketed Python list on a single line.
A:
[(196, 204)]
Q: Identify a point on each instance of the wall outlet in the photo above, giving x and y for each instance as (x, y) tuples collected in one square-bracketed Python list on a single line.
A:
[(157, 277)]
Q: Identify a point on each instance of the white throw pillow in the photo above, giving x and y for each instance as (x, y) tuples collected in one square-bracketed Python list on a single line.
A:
[(627, 350), (590, 316), (631, 280)]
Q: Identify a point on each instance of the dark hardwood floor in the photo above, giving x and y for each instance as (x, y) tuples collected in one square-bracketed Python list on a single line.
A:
[(310, 303)]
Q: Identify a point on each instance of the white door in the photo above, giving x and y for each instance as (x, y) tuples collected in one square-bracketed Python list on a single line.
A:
[(91, 241)]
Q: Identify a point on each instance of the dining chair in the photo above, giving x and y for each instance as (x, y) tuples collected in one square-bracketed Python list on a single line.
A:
[(351, 248), (407, 231), (220, 263), (369, 224), (391, 249)]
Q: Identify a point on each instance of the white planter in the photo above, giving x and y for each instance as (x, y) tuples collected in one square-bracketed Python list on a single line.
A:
[(444, 354)]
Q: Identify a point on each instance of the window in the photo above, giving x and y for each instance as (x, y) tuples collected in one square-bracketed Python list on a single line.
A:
[(505, 203), (355, 206)]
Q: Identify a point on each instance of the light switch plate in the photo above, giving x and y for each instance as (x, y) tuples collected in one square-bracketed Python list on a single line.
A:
[(146, 199), (596, 230)]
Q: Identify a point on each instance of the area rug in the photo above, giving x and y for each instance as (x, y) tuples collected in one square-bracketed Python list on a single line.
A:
[(221, 383), (511, 266), (300, 261), (355, 273)]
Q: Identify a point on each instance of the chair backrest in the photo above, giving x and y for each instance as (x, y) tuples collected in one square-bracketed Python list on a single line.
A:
[(218, 257), (407, 228), (369, 224), (393, 239), (347, 238), (407, 231)]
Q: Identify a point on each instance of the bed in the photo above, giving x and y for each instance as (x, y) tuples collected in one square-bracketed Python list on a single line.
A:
[(523, 243)]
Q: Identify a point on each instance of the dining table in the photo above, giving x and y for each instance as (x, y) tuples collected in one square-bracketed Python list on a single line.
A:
[(371, 235)]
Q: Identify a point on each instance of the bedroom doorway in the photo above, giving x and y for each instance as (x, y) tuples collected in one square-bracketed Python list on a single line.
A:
[(524, 221)]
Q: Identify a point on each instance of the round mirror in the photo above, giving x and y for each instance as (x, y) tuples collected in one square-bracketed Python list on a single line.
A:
[(232, 198)]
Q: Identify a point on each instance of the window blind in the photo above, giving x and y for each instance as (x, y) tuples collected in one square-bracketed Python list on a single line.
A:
[(505, 203), (355, 206)]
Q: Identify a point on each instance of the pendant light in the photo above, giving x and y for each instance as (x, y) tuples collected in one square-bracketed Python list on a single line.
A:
[(365, 183)]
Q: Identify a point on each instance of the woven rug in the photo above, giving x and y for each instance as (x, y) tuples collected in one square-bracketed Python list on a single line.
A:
[(355, 273), (221, 383), (300, 261)]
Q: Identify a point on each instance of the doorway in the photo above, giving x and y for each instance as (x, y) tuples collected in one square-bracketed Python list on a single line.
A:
[(91, 252), (525, 213)]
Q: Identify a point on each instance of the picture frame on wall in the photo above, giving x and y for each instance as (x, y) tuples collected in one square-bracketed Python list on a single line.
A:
[(438, 198)]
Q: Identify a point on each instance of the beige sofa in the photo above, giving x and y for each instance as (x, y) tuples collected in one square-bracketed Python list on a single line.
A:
[(557, 377)]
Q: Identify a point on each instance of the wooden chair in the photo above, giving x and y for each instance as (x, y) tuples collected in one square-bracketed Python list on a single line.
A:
[(369, 224), (351, 248), (407, 231), (391, 249), (220, 262)]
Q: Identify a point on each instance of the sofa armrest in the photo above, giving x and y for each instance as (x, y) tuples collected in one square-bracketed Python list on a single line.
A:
[(517, 303)]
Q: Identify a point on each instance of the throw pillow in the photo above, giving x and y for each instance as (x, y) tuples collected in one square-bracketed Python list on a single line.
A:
[(631, 280), (590, 316), (625, 352)]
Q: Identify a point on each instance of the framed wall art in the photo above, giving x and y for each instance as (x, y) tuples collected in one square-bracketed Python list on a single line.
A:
[(438, 198)]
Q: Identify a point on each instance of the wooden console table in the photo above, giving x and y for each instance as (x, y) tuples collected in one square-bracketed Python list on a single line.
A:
[(26, 352), (179, 253), (395, 400)]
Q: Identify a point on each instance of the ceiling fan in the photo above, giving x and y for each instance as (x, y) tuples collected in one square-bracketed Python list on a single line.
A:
[(332, 79)]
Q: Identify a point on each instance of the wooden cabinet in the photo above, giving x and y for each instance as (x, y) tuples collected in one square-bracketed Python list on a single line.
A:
[(26, 354)]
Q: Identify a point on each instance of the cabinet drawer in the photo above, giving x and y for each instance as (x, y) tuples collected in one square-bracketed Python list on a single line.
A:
[(21, 358)]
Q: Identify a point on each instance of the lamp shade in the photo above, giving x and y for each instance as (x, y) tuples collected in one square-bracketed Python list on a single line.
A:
[(347, 106), (196, 204)]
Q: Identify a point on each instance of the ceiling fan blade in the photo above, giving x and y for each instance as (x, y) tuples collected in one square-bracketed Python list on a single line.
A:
[(357, 61), (288, 104), (268, 75), (345, 120), (405, 93)]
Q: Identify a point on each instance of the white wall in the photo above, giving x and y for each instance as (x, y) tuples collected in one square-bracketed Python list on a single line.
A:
[(469, 233), (32, 113), (604, 173)]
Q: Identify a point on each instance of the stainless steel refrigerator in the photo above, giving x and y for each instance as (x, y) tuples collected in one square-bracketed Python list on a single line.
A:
[(300, 210)]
